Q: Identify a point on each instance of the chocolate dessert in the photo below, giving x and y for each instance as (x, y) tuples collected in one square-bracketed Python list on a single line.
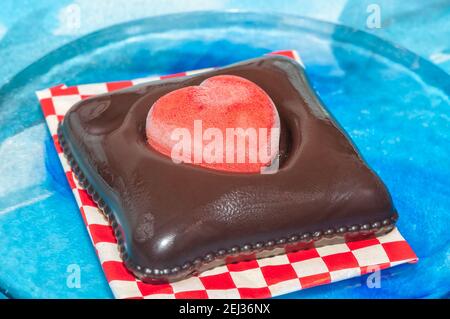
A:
[(174, 220)]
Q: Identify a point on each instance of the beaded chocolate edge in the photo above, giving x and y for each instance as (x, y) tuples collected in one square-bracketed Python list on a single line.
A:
[(155, 275)]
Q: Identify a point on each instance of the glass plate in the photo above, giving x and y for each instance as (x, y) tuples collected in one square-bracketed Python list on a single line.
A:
[(393, 104)]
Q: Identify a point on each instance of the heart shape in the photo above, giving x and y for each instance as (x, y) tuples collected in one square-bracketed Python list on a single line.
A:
[(226, 123)]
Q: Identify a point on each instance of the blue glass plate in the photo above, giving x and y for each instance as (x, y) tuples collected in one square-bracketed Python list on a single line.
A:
[(393, 104)]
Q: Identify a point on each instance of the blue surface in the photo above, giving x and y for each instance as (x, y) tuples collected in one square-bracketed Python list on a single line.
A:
[(394, 105), (30, 29)]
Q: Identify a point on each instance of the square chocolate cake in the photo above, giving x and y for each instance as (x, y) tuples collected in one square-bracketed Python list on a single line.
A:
[(173, 220)]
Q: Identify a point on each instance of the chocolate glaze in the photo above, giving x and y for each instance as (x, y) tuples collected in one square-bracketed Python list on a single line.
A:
[(174, 220)]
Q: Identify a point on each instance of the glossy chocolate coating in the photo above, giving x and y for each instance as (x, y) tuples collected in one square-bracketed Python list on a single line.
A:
[(169, 215)]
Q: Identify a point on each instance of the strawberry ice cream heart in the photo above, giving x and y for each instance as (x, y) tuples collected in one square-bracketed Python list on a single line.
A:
[(226, 123)]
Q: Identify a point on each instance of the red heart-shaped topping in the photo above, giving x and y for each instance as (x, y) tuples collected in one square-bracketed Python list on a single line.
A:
[(226, 123)]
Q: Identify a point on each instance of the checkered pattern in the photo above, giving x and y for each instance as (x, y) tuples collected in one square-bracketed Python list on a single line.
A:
[(260, 278)]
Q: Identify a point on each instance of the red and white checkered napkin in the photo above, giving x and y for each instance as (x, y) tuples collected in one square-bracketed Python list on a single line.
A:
[(254, 279)]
